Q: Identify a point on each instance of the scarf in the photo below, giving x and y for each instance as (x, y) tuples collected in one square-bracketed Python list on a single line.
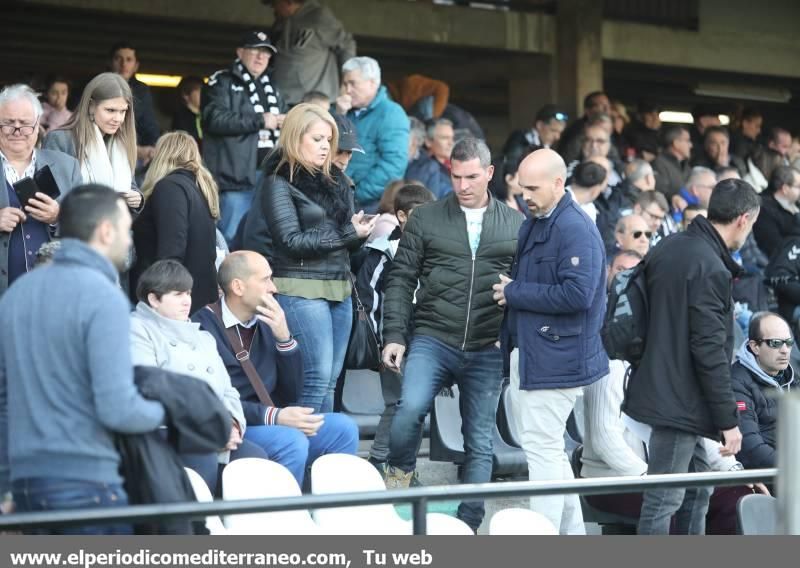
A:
[(260, 89), (106, 164), (331, 195)]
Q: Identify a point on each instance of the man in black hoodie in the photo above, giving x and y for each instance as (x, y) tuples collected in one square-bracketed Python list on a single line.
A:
[(682, 388)]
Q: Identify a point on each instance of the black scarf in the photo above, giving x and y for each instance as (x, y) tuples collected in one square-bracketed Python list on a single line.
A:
[(266, 138), (330, 194)]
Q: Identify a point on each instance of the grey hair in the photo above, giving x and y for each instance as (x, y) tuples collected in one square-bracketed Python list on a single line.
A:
[(369, 67), (432, 124), (417, 129), (638, 169), (471, 148), (20, 91), (698, 171)]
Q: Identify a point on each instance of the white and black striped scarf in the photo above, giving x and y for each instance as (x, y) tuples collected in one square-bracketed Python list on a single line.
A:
[(266, 138)]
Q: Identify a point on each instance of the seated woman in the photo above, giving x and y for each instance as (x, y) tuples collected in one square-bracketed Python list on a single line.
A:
[(162, 335)]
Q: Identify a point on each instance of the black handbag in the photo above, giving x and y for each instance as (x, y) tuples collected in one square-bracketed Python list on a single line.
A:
[(364, 348)]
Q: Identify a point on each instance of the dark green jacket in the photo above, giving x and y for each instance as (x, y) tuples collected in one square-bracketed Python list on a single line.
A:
[(454, 302)]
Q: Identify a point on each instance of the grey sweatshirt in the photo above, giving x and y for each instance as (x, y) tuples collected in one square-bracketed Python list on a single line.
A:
[(66, 378)]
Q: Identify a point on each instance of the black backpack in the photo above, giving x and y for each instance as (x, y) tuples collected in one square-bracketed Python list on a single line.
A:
[(624, 331)]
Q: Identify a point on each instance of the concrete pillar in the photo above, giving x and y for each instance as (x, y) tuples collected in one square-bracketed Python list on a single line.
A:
[(579, 56), (788, 465), (529, 91)]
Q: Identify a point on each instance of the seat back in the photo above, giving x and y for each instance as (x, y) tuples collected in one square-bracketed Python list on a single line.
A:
[(362, 400), (517, 521), (757, 515), (344, 473), (447, 442), (203, 495), (253, 478)]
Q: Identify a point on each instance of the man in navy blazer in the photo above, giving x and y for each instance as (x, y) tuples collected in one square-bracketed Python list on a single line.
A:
[(556, 302), (24, 228)]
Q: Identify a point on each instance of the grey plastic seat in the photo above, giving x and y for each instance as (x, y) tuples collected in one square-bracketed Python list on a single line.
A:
[(757, 515)]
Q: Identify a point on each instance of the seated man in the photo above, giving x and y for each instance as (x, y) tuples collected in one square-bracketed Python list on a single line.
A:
[(761, 372), (249, 313), (632, 233)]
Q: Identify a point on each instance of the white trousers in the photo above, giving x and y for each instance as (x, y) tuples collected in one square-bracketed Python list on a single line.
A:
[(541, 419)]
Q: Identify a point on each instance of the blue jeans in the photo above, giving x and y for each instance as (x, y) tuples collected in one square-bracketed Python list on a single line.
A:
[(54, 494), (234, 205), (430, 364), (294, 450), (322, 330), (675, 451)]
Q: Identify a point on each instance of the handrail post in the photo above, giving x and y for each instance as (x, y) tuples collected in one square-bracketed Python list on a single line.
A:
[(789, 464), (419, 509)]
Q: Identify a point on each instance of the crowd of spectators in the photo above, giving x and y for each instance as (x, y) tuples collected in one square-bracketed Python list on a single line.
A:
[(228, 248)]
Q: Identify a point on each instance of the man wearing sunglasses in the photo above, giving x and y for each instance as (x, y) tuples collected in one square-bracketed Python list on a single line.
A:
[(682, 387), (760, 375), (633, 233)]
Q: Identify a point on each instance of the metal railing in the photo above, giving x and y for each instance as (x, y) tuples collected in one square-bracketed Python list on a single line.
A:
[(417, 497)]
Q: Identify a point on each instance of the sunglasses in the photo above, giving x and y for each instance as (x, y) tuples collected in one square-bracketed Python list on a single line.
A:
[(776, 343), (638, 234)]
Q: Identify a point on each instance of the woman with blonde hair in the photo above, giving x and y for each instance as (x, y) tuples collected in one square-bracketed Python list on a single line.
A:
[(302, 220), (178, 221), (101, 135)]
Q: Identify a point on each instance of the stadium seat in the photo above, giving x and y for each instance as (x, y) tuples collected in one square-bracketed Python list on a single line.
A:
[(447, 442), (203, 495), (518, 521), (362, 400), (344, 473), (757, 515), (252, 478)]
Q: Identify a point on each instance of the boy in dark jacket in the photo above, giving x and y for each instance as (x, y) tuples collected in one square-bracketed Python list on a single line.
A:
[(369, 283), (760, 375)]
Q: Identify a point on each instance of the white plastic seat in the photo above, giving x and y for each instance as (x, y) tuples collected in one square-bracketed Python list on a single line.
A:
[(253, 478), (518, 521), (344, 473), (203, 495)]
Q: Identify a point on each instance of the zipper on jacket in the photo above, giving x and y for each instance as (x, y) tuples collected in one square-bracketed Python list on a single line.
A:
[(469, 303)]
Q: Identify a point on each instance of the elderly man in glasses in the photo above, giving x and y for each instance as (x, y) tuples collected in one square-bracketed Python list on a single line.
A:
[(760, 375), (24, 227), (633, 233)]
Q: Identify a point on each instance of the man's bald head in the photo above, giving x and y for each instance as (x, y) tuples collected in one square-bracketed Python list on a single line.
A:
[(237, 265), (542, 175)]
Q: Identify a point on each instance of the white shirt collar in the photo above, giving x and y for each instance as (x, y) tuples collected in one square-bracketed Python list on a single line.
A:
[(11, 173), (229, 319)]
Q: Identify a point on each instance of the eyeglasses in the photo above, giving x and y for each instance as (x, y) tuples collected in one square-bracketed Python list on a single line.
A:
[(776, 343), (638, 234), (11, 129), (658, 218)]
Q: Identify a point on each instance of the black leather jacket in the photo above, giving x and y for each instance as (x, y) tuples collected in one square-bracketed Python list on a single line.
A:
[(297, 233)]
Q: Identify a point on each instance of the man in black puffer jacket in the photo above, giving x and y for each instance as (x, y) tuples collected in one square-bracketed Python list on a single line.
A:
[(760, 375), (456, 248)]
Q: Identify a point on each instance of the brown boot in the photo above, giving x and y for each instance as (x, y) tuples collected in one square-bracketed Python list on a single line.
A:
[(396, 478)]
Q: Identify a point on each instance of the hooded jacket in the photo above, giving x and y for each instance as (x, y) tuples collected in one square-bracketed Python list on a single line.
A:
[(757, 402)]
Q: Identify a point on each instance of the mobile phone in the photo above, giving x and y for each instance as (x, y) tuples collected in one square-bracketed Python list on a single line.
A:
[(47, 183), (26, 189), (367, 218)]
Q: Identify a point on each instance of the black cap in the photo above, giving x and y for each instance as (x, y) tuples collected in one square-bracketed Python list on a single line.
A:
[(348, 140), (588, 174), (550, 112), (257, 39)]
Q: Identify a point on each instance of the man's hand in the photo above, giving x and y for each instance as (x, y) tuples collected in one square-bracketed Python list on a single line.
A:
[(43, 208), (393, 356), (145, 153), (281, 118), (343, 103), (679, 203), (301, 418), (733, 442), (271, 313), (270, 121), (10, 217), (235, 438), (499, 294)]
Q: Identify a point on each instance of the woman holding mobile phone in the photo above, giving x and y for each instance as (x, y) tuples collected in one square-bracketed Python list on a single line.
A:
[(302, 220), (101, 135)]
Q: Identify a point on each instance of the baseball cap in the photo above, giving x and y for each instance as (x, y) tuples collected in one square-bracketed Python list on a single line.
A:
[(348, 140), (257, 39)]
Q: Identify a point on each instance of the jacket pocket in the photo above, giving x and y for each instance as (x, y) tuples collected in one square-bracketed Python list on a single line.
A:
[(559, 350)]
